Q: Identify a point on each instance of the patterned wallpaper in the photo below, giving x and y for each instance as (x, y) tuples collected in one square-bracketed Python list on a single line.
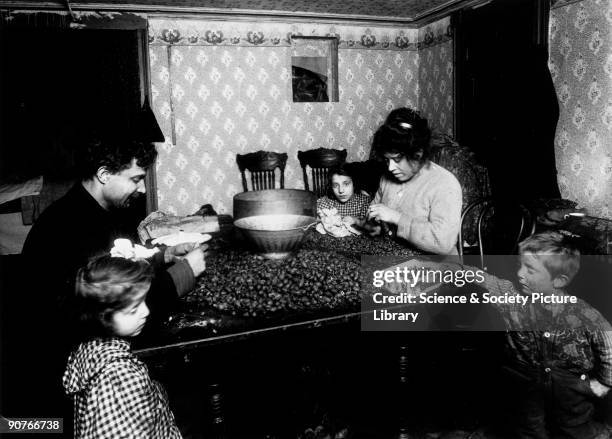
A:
[(436, 75), (222, 88), (581, 67)]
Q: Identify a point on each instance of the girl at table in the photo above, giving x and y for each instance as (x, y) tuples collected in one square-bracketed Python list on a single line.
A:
[(419, 200), (112, 391), (344, 196)]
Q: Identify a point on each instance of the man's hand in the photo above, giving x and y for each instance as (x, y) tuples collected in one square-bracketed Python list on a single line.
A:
[(176, 251), (600, 390), (196, 260), (381, 212)]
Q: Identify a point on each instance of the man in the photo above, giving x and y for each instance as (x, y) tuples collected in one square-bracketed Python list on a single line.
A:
[(87, 220), (82, 224)]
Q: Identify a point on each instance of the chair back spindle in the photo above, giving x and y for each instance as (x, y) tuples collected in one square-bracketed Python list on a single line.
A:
[(319, 160), (262, 165)]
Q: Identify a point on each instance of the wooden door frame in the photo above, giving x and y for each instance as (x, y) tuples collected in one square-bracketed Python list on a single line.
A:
[(94, 20), (145, 95)]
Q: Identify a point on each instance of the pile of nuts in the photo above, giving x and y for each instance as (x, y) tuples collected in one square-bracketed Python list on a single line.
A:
[(244, 284), (355, 246), (323, 275)]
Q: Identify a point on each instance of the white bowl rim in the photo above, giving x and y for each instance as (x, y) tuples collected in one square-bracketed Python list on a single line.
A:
[(239, 222)]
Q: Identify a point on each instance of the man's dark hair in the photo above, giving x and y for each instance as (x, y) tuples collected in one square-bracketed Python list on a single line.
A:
[(115, 155), (404, 132)]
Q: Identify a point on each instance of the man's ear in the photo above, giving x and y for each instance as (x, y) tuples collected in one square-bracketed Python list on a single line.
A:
[(560, 281), (102, 174), (418, 155)]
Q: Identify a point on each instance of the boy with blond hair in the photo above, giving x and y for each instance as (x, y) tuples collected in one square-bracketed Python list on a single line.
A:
[(559, 356)]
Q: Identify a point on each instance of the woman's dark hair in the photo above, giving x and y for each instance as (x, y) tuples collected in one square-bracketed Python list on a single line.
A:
[(105, 286), (115, 155), (404, 132), (345, 169)]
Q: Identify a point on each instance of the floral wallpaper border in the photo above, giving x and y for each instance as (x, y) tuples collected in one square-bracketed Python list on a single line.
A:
[(166, 31), (435, 33), (272, 34)]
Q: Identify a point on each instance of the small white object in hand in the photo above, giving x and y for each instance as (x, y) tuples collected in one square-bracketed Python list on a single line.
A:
[(123, 248), (333, 224), (181, 237)]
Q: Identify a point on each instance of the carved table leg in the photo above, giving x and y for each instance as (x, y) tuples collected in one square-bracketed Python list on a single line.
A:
[(216, 407), (213, 416), (403, 390)]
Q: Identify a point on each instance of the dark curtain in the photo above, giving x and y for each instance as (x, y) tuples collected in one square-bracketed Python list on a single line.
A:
[(522, 164), (507, 109)]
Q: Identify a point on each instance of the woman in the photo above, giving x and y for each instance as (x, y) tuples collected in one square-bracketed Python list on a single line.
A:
[(418, 199)]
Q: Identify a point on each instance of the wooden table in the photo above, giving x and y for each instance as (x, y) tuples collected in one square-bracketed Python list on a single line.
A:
[(189, 329), (194, 325)]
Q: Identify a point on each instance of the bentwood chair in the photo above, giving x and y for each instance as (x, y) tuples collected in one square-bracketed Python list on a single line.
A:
[(320, 160), (500, 226), (262, 167)]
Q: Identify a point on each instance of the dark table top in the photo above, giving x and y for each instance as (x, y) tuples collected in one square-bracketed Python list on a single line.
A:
[(242, 294)]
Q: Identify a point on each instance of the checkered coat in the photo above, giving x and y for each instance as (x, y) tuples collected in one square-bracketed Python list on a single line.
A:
[(356, 207), (114, 397)]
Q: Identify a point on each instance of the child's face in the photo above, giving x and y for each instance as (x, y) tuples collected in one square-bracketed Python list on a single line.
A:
[(534, 276), (342, 186), (129, 321)]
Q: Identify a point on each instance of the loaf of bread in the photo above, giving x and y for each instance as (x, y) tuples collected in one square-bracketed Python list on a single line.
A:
[(159, 224)]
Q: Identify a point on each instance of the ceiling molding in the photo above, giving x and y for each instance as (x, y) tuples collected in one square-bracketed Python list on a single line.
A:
[(436, 14), (214, 12), (224, 16), (438, 9), (283, 16), (419, 20)]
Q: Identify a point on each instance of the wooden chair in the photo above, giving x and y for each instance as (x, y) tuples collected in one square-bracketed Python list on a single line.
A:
[(500, 226), (368, 175), (262, 166), (473, 177), (320, 160)]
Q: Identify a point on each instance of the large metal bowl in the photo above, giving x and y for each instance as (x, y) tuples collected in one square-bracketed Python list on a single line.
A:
[(275, 202), (275, 236)]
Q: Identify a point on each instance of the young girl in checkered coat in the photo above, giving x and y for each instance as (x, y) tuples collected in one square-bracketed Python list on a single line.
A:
[(114, 397), (344, 195)]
